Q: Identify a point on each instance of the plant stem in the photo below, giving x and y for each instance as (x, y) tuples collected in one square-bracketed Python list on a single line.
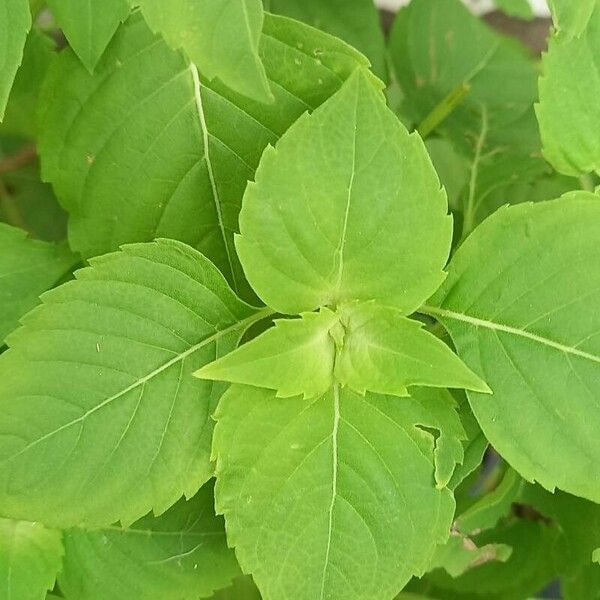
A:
[(443, 110), (469, 215)]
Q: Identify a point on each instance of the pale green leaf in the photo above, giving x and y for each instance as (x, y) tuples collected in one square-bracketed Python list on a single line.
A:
[(355, 22), (295, 357), (144, 148), (346, 207), (527, 320), (90, 25), (521, 9), (102, 420), (27, 269), (327, 498), (181, 555), (220, 36), (568, 112), (30, 558), (15, 21), (384, 352), (571, 17)]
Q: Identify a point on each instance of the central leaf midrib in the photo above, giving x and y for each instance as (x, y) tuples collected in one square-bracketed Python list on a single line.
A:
[(211, 175), (492, 325), (143, 380), (334, 469)]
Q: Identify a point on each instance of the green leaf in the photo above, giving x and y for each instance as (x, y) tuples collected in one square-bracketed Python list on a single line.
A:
[(355, 22), (448, 64), (294, 357), (579, 523), (30, 558), (571, 18), (439, 47), (181, 555), (527, 320), (15, 21), (27, 269), (490, 508), (343, 484), (568, 120), (452, 168), (89, 26), (346, 207), (102, 420), (386, 353), (31, 205), (460, 553), (526, 572), (436, 409), (521, 9), (243, 588), (144, 148), (584, 584), (22, 103), (220, 36), (474, 445)]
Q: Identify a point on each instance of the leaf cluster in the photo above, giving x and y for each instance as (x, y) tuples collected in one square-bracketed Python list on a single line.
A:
[(293, 310)]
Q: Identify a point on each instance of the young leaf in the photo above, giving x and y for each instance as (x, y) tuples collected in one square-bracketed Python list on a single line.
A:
[(144, 148), (571, 18), (346, 207), (385, 352), (220, 36), (30, 558), (27, 269), (294, 357), (355, 22), (102, 420), (527, 319), (89, 26), (15, 21), (567, 120), (181, 555), (342, 484)]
